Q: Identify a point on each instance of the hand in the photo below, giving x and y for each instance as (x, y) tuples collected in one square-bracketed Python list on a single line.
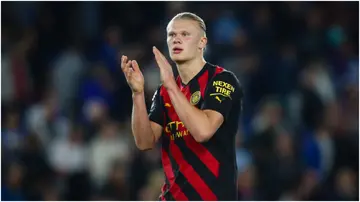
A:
[(133, 75), (166, 73)]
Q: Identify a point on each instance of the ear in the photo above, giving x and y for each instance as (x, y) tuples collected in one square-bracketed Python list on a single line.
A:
[(202, 43)]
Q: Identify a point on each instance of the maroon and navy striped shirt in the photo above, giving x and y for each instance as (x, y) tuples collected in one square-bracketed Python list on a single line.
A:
[(200, 171)]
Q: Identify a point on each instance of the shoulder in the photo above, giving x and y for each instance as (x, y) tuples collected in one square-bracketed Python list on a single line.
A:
[(227, 75), (224, 80), (222, 73)]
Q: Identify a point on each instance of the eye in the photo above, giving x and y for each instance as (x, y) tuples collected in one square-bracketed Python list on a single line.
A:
[(185, 34), (171, 34)]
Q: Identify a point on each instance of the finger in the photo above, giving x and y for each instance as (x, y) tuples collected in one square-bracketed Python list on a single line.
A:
[(157, 58), (123, 62), (156, 52), (129, 74), (120, 58), (135, 66), (127, 68), (128, 65), (160, 55)]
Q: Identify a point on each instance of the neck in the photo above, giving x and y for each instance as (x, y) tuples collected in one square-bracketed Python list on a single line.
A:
[(189, 69)]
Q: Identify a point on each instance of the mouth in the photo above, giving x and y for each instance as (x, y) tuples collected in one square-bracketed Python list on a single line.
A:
[(177, 50)]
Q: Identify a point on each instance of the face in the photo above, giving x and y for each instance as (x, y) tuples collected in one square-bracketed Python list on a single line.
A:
[(185, 40)]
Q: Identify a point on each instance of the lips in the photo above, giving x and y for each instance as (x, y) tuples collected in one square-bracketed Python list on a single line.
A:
[(177, 50)]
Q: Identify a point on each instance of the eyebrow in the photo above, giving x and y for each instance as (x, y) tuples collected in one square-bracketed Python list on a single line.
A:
[(182, 31)]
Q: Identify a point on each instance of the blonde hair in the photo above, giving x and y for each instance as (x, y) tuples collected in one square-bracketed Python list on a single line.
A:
[(191, 16)]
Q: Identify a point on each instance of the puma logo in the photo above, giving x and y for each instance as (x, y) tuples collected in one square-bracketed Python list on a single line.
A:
[(167, 105), (217, 97)]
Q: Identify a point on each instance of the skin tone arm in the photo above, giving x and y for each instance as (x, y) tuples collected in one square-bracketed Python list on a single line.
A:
[(202, 124), (146, 133)]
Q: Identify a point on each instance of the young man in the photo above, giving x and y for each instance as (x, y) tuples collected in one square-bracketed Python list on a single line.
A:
[(196, 115)]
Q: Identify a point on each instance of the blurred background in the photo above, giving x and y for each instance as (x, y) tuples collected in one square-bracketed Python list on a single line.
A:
[(66, 107)]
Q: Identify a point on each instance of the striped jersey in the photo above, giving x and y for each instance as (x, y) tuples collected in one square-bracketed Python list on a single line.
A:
[(193, 170)]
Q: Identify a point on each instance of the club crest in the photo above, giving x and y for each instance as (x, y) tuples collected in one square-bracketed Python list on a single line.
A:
[(195, 98)]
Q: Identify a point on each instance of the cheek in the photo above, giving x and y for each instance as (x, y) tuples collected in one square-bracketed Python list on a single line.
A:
[(191, 43), (190, 40)]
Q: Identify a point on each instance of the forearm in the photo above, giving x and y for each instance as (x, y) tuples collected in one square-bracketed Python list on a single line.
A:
[(140, 123), (194, 119)]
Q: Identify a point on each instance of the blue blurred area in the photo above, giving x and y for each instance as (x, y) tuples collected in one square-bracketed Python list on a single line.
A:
[(66, 106)]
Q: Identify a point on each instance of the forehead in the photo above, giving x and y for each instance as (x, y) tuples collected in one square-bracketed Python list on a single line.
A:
[(182, 25)]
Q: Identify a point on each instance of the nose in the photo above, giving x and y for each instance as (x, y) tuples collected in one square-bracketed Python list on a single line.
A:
[(176, 40)]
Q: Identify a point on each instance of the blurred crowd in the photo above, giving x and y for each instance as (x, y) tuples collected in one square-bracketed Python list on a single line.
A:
[(66, 107)]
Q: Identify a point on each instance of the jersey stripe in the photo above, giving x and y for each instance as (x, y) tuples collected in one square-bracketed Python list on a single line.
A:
[(184, 184), (167, 167), (169, 163), (189, 173), (198, 149), (185, 168), (203, 154), (177, 194), (171, 188), (174, 188), (218, 70), (200, 168)]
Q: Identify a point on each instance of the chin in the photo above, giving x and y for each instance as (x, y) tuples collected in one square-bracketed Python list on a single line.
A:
[(179, 59)]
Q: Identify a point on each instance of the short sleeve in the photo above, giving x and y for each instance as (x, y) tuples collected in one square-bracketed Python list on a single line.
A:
[(222, 92), (156, 111)]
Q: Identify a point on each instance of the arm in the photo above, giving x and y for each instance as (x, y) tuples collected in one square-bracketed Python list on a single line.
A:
[(146, 133), (203, 123)]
